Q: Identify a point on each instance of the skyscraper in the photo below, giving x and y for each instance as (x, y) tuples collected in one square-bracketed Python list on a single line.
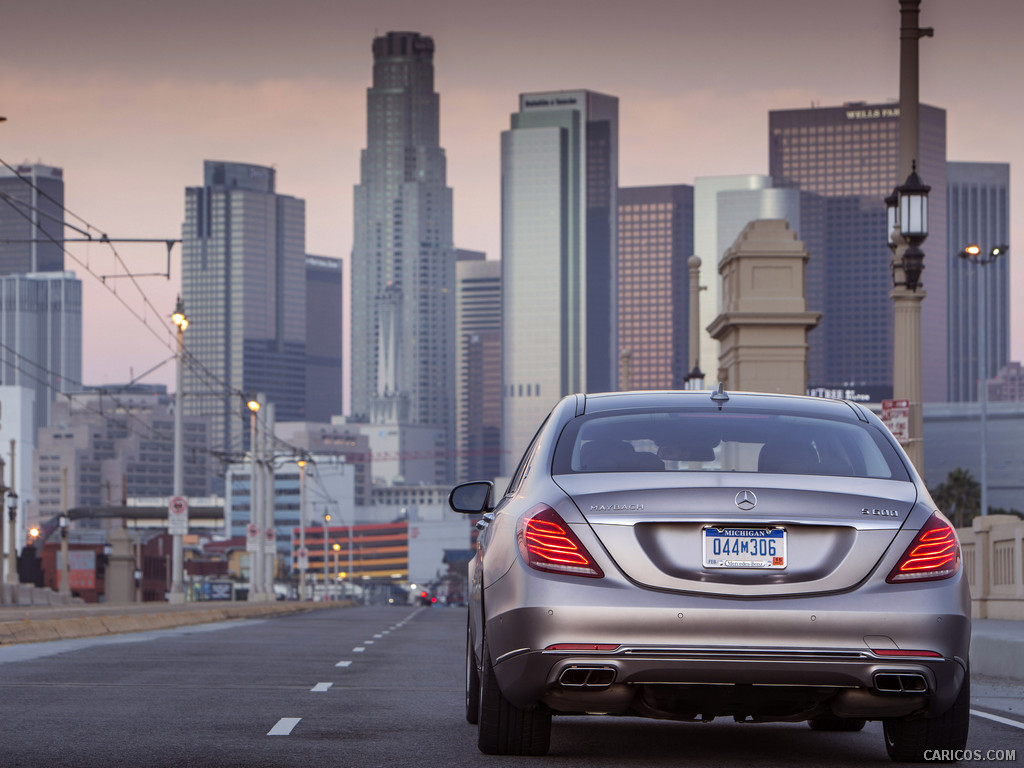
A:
[(478, 366), (324, 324), (559, 168), (244, 288), (41, 336), (655, 241), (847, 156), (32, 210), (979, 211), (403, 262)]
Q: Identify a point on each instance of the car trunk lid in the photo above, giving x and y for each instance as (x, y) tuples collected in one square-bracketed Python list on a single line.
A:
[(654, 527)]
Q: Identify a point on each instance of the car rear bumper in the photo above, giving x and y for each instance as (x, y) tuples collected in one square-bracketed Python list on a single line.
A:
[(644, 638)]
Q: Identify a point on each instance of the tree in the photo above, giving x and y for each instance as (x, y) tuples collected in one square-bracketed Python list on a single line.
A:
[(959, 497)]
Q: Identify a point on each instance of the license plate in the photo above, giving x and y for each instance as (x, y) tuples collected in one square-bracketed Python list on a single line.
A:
[(761, 548)]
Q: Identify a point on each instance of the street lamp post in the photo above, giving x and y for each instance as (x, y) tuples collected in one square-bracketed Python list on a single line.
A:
[(12, 513), (974, 254), (256, 556), (12, 525), (178, 487), (303, 552), (908, 223), (694, 380), (268, 498), (327, 520), (337, 571)]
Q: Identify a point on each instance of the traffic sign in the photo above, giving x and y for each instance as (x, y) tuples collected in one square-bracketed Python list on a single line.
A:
[(177, 516), (896, 416), (252, 538)]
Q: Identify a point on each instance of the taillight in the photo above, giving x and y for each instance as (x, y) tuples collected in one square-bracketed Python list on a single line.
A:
[(548, 544), (933, 554)]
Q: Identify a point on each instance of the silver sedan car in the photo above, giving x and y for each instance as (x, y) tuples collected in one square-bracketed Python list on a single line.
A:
[(693, 555)]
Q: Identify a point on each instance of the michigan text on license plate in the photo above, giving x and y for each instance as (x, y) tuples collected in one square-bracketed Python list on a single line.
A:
[(726, 547)]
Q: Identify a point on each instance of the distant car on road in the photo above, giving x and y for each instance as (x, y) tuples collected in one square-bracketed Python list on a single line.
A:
[(692, 555)]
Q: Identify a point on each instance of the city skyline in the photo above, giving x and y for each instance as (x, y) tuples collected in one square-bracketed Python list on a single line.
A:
[(695, 85)]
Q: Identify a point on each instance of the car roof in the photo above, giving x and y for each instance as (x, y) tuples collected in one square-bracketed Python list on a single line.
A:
[(767, 402)]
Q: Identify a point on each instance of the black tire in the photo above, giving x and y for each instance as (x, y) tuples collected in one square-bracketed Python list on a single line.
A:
[(829, 722), (906, 741), (472, 682), (505, 729)]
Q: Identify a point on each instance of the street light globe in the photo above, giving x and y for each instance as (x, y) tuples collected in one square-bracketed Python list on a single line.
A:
[(178, 318), (336, 547), (254, 405)]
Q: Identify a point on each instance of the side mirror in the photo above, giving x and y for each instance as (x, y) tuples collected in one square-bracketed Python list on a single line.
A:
[(471, 498)]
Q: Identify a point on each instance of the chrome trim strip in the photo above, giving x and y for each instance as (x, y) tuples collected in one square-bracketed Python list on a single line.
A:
[(510, 654)]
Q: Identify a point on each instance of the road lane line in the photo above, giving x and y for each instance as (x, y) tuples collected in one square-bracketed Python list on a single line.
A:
[(367, 642), (343, 664), (998, 719), (378, 636), (284, 726), (358, 649), (321, 688)]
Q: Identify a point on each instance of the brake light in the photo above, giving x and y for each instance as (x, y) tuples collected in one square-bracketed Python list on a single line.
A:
[(900, 652), (548, 544), (933, 554)]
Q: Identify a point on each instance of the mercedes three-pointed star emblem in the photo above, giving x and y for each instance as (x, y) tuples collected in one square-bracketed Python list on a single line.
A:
[(746, 500)]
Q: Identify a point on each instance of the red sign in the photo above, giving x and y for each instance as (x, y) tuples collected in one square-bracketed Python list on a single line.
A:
[(896, 416)]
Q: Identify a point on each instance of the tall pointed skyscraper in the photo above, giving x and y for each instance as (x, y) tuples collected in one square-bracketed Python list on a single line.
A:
[(403, 261)]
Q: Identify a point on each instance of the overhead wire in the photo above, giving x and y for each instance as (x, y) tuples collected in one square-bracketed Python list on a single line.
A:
[(220, 388)]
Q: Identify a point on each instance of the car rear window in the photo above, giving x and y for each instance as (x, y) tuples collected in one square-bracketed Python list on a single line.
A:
[(736, 441)]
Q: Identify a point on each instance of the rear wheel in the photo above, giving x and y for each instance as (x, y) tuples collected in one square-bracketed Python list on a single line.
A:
[(829, 722), (907, 741), (505, 729), (472, 682)]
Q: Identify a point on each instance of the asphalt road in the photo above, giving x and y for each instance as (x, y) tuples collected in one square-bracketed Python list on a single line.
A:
[(359, 687)]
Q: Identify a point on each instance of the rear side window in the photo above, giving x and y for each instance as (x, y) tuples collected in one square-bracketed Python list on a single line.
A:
[(736, 441)]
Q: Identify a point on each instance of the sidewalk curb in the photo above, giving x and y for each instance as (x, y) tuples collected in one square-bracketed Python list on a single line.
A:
[(29, 630)]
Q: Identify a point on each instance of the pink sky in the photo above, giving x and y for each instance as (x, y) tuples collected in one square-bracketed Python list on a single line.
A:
[(130, 98)]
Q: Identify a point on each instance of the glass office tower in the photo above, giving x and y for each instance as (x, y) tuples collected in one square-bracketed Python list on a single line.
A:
[(41, 334), (324, 324), (655, 242), (478, 366), (403, 261), (979, 214), (559, 169), (243, 283), (848, 157), (34, 211)]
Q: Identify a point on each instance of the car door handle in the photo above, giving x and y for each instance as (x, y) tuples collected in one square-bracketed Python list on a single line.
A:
[(484, 521)]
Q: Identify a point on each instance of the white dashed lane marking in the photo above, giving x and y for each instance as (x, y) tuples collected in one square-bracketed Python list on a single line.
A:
[(284, 726), (358, 649), (321, 687), (343, 664)]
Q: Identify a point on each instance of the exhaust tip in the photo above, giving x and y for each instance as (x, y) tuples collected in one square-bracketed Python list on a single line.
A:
[(586, 677), (901, 682)]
